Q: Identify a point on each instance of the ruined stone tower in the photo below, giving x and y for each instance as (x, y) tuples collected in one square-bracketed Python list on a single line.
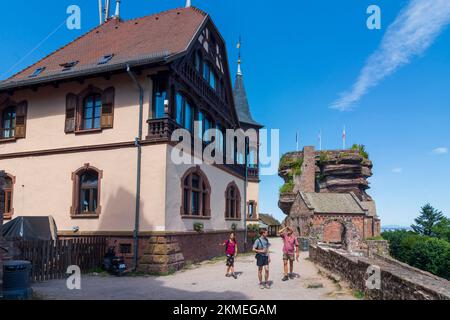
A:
[(325, 198)]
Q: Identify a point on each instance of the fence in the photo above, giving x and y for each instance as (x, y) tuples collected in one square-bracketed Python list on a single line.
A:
[(50, 259)]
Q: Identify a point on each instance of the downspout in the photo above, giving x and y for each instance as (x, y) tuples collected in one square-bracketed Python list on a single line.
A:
[(245, 191), (137, 143)]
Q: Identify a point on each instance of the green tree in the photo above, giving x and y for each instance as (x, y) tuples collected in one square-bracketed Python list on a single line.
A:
[(427, 220), (361, 149), (442, 229)]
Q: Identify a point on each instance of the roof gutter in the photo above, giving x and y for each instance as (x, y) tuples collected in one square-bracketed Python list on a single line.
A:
[(137, 143)]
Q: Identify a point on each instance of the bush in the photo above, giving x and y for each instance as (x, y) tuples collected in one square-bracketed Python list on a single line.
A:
[(426, 253), (361, 149), (287, 187)]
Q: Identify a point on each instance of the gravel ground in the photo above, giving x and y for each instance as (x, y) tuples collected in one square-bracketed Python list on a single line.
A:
[(206, 281)]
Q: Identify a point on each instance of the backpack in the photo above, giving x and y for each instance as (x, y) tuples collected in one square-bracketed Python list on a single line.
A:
[(260, 242)]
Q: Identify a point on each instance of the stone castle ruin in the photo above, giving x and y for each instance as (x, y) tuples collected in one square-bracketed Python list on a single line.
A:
[(325, 198)]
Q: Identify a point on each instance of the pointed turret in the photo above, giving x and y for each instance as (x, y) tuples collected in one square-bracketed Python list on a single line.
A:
[(240, 98)]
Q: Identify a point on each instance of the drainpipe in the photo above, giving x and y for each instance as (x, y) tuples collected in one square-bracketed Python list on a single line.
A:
[(245, 191), (137, 143)]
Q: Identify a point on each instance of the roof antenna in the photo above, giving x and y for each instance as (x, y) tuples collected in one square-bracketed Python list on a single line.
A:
[(117, 14), (188, 3), (107, 10), (100, 11)]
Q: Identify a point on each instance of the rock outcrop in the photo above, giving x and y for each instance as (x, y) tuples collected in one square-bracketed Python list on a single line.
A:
[(335, 171)]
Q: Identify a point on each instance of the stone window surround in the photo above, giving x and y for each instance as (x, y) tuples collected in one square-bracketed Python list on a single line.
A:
[(203, 179), (8, 215), (237, 200), (74, 209)]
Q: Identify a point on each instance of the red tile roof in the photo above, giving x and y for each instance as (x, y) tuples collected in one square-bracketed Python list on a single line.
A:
[(163, 34)]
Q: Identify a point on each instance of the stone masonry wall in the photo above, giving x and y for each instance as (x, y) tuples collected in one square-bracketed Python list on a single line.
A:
[(398, 281)]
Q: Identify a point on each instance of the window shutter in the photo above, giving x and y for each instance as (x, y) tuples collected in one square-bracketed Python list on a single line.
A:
[(107, 108), (21, 120), (71, 107)]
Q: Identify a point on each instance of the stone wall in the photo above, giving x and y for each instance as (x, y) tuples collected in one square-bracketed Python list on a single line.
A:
[(2, 209), (397, 280), (170, 252)]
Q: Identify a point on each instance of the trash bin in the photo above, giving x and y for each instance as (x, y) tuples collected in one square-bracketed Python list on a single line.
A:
[(304, 244), (16, 280)]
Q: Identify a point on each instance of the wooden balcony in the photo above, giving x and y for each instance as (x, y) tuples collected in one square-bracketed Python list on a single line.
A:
[(160, 130)]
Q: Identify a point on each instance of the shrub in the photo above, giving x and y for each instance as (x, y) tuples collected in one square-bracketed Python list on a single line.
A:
[(198, 226), (287, 187), (361, 149)]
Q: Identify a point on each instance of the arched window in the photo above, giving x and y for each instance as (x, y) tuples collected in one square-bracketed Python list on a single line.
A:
[(196, 193), (86, 191), (92, 111), (8, 189), (8, 122), (232, 202)]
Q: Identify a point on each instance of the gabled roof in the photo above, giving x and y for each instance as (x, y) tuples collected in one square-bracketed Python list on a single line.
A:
[(268, 219), (140, 41), (241, 102), (333, 203)]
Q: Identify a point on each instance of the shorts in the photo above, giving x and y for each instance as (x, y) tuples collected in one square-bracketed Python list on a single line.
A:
[(262, 260), (288, 256), (230, 260)]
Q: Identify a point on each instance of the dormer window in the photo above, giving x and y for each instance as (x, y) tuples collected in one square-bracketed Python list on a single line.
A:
[(68, 65), (37, 72), (105, 59)]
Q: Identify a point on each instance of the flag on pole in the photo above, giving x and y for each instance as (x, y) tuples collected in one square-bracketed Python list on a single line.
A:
[(344, 138), (296, 140), (320, 140)]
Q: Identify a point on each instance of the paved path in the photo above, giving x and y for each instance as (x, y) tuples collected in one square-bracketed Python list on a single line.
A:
[(205, 281)]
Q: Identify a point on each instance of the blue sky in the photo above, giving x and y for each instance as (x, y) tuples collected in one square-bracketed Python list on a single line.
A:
[(298, 56)]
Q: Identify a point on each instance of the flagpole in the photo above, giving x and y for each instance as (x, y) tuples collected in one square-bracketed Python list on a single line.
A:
[(344, 137), (296, 140), (320, 140)]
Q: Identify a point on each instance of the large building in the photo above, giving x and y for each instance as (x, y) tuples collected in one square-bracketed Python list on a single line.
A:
[(86, 138)]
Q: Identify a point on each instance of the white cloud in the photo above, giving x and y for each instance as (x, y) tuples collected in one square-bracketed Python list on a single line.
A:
[(440, 150), (397, 170), (411, 34)]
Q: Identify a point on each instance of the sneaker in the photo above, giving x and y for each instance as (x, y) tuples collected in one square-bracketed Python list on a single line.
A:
[(227, 275), (285, 278), (234, 275), (291, 276), (261, 285), (267, 285)]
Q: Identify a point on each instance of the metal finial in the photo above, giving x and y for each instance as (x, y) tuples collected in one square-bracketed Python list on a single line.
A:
[(239, 72)]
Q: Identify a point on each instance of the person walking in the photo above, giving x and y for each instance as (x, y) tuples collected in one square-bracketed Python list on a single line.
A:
[(261, 247), (231, 249), (290, 248)]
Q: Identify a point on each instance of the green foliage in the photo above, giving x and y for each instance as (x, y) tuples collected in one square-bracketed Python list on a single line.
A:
[(297, 167), (423, 252), (442, 229), (287, 187), (429, 219), (375, 238), (198, 226), (323, 156), (361, 149), (358, 294)]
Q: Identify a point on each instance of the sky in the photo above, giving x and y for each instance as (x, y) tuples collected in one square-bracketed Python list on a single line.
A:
[(311, 66)]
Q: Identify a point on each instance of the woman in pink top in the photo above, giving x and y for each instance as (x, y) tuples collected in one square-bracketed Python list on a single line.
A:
[(290, 247), (231, 250)]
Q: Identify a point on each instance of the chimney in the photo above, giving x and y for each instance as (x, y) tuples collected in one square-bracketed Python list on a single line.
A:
[(306, 182), (188, 3)]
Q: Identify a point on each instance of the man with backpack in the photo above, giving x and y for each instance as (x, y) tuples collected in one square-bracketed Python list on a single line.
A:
[(261, 247)]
